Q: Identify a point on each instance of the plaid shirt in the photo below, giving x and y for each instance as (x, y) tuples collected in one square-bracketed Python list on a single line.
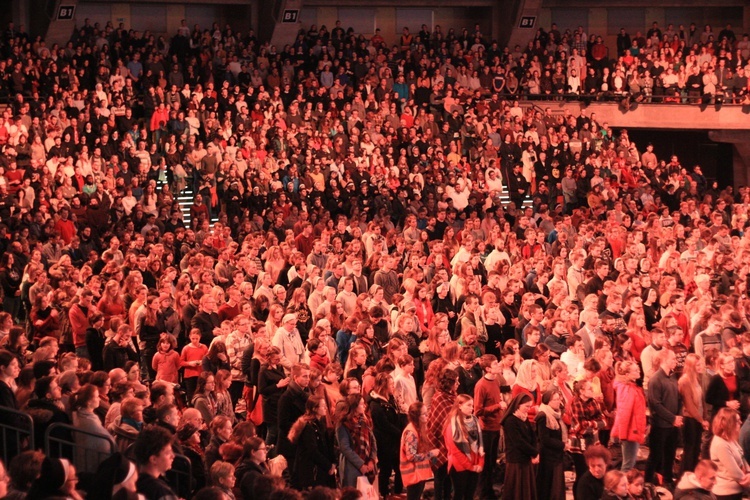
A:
[(586, 417), (441, 405), (236, 345)]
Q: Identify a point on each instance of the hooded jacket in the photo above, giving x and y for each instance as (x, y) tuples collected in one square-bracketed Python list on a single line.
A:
[(690, 489)]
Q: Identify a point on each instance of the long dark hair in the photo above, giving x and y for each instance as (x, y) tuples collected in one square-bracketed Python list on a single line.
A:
[(311, 407)]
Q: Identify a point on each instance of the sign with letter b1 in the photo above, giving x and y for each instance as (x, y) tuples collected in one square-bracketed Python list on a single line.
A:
[(527, 22), (290, 16), (65, 12)]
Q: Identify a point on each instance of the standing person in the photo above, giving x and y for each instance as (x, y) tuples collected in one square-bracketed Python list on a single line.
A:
[(292, 406), (166, 362), (414, 456), (733, 476), (463, 439), (287, 339), (527, 382), (586, 420), (191, 357), (553, 434), (693, 410), (440, 407), (272, 382), (630, 417), (488, 406), (664, 403), (356, 442), (315, 460), (723, 390), (521, 451), (386, 423)]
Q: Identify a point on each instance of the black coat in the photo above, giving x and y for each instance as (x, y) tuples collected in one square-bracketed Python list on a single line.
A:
[(551, 446), (267, 380), (247, 472), (45, 413), (115, 356), (206, 323), (589, 487), (291, 407), (520, 441), (315, 454), (387, 426), (717, 394)]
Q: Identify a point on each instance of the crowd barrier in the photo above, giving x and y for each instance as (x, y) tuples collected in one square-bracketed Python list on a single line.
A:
[(16, 431), (85, 449), (180, 476)]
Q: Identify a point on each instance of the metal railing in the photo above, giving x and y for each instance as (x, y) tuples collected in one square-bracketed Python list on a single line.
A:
[(180, 476), (86, 449), (16, 431)]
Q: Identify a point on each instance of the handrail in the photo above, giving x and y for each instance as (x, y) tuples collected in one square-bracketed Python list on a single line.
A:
[(15, 438)]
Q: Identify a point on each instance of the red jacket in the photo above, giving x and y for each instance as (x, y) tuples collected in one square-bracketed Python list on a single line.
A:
[(630, 418), (79, 322), (457, 459)]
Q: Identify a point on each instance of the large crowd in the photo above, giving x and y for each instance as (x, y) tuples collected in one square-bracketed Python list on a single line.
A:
[(391, 275)]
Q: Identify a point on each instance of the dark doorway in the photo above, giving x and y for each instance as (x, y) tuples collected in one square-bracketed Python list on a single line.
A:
[(692, 148)]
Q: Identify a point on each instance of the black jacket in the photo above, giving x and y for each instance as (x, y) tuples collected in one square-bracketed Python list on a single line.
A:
[(551, 445), (315, 454), (206, 323), (291, 407), (520, 441), (590, 487), (663, 400), (267, 380), (114, 356), (247, 472), (717, 394), (45, 413), (387, 426)]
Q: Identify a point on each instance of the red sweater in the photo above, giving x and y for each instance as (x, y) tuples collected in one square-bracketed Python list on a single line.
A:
[(487, 394), (167, 366)]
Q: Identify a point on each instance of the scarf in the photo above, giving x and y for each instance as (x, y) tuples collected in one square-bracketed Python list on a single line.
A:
[(554, 420), (469, 440), (360, 435)]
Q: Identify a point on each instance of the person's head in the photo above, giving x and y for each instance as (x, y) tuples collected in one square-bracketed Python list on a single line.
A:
[(255, 450), (222, 475), (23, 469), (616, 483), (666, 360), (47, 388), (221, 426), (726, 424), (132, 408), (153, 449), (161, 393), (705, 472), (597, 458), (301, 374), (87, 398), (448, 381), (206, 383)]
